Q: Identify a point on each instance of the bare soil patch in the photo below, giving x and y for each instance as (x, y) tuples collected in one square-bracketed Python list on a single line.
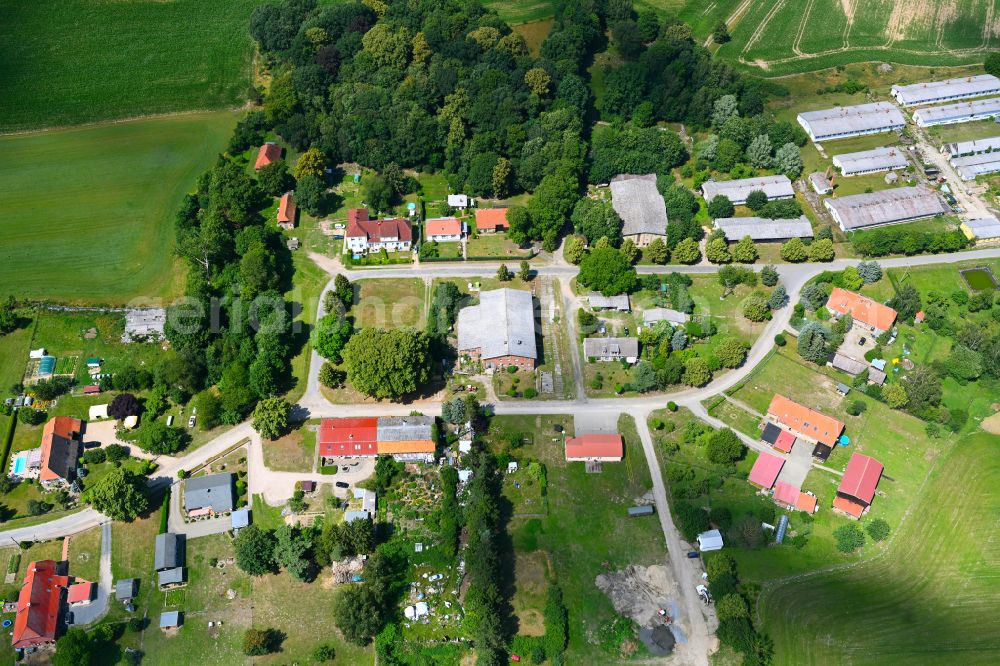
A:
[(991, 424), (640, 592)]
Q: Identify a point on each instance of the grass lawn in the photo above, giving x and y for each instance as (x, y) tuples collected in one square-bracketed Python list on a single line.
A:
[(292, 453), (569, 542), (90, 211), (496, 246), (393, 303), (308, 282), (85, 554), (79, 61), (926, 601)]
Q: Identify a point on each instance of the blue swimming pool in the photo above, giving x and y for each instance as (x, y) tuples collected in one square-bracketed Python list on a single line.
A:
[(20, 462)]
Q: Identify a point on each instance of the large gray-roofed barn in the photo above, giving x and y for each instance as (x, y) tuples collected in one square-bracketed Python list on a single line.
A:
[(970, 171), (870, 161), (761, 228), (775, 187), (639, 204), (886, 207), (214, 491), (502, 324), (404, 428), (949, 89), (844, 121), (972, 147), (961, 112), (983, 227)]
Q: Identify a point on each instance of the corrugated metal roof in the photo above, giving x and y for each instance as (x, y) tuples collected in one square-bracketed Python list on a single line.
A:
[(599, 300), (858, 119), (760, 228), (654, 315), (502, 324), (404, 428), (639, 204), (886, 207), (966, 86), (775, 187), (870, 161), (936, 115), (985, 227), (971, 147)]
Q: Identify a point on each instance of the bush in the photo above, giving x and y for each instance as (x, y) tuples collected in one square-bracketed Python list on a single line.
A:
[(530, 393), (94, 457), (877, 529), (780, 340), (849, 537), (672, 406), (857, 407)]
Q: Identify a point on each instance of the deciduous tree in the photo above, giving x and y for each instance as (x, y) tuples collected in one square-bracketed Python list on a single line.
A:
[(387, 364), (120, 495), (270, 417), (745, 251), (607, 271)]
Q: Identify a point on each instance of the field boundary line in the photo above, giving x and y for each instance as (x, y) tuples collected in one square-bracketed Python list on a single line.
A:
[(762, 26), (122, 121)]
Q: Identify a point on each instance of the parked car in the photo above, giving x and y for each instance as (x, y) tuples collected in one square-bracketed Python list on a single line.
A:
[(342, 484), (693, 554), (191, 421)]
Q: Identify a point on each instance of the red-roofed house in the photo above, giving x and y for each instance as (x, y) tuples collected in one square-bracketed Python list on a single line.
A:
[(765, 470), (348, 437), (867, 313), (286, 211), (785, 494), (365, 235), (599, 448), (857, 488), (91, 389), (268, 153), (443, 229), (490, 220), (39, 605), (81, 593), (806, 423), (60, 450)]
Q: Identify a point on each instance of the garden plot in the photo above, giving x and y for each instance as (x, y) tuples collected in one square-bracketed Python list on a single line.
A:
[(410, 501)]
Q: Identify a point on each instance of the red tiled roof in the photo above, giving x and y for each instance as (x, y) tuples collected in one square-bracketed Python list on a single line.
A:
[(491, 218), (848, 506), (376, 230), (355, 215), (786, 493), (286, 209), (57, 439), (444, 226), (342, 437), (861, 477), (406, 446), (81, 591), (269, 152), (784, 441), (806, 503), (862, 308), (809, 422), (92, 388), (765, 470), (595, 446), (38, 605)]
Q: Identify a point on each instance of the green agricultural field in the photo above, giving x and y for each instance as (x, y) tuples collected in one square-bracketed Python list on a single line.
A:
[(927, 601), (89, 212), (76, 61), (788, 36)]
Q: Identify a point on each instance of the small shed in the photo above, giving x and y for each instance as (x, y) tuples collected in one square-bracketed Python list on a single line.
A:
[(37, 353), (92, 389), (240, 518), (351, 516), (126, 589), (310, 486), (98, 412), (170, 620), (458, 201), (645, 510), (171, 577), (710, 541), (842, 388)]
